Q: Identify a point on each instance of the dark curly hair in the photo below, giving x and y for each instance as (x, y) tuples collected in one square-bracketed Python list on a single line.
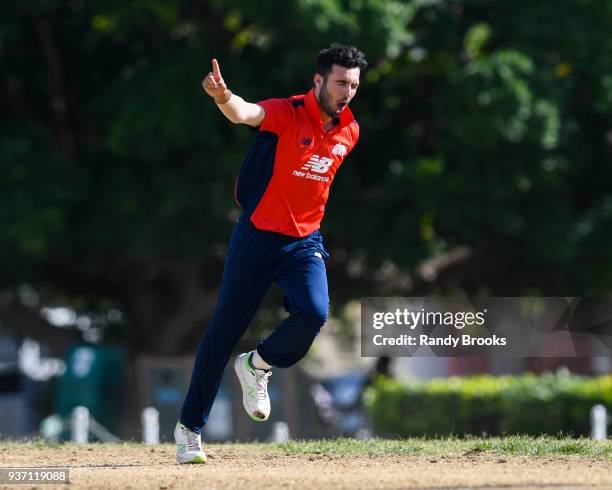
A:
[(337, 54)]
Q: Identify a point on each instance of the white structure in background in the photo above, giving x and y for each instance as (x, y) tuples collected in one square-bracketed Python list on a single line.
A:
[(36, 367), (599, 423), (51, 428), (101, 432), (82, 361), (280, 432), (79, 425), (220, 424), (150, 425)]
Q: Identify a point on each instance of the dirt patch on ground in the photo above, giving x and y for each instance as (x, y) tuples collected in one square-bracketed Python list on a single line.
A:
[(239, 467)]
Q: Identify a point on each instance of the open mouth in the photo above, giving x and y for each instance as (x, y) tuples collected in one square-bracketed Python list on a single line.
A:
[(342, 105)]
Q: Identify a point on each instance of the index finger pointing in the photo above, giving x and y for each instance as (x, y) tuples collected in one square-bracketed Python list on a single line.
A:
[(216, 71)]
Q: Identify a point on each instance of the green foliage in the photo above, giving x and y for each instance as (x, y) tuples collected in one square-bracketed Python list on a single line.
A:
[(484, 124), (525, 404), (39, 191)]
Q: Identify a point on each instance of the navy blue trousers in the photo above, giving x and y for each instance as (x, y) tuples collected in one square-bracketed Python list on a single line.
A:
[(255, 259)]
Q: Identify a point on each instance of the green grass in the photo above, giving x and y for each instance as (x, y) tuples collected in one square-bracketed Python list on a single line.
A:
[(507, 446), (449, 447)]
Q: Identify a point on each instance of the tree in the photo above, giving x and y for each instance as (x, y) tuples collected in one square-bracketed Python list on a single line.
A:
[(482, 164)]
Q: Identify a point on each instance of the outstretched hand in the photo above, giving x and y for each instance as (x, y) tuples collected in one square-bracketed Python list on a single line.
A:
[(213, 83), (238, 111)]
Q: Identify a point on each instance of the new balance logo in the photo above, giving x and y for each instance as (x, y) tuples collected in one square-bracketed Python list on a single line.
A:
[(339, 150), (318, 164)]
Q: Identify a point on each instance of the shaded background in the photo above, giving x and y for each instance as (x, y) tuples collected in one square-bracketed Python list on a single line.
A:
[(483, 165)]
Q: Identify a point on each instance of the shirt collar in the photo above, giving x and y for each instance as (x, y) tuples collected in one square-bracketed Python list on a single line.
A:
[(312, 106)]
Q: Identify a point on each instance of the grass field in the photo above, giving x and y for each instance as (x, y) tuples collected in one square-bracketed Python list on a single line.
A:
[(512, 462)]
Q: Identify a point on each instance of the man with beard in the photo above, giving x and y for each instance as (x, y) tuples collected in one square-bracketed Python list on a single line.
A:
[(282, 188)]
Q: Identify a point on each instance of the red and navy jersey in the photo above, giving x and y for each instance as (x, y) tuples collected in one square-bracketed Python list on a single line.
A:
[(285, 178)]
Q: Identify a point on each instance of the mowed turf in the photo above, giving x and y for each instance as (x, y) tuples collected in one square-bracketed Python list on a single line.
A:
[(509, 446), (511, 462)]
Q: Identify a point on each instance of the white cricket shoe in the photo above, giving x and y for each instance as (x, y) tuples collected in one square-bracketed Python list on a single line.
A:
[(254, 383), (188, 445)]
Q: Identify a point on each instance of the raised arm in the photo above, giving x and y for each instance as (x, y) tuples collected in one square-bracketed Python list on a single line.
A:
[(235, 108)]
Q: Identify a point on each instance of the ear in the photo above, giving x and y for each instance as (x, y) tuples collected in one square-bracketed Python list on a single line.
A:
[(318, 80)]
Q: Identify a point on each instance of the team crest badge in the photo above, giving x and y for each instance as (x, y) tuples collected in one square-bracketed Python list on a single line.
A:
[(339, 150)]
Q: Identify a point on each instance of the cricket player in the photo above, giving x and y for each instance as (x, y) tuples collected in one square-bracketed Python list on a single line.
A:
[(282, 188)]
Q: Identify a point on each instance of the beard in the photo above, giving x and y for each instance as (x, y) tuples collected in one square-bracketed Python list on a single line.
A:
[(327, 104)]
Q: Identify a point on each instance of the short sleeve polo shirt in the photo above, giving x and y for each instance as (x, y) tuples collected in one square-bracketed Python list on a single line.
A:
[(285, 177)]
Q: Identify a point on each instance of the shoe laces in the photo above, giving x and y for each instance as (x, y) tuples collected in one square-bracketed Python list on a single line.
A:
[(193, 441), (261, 381)]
